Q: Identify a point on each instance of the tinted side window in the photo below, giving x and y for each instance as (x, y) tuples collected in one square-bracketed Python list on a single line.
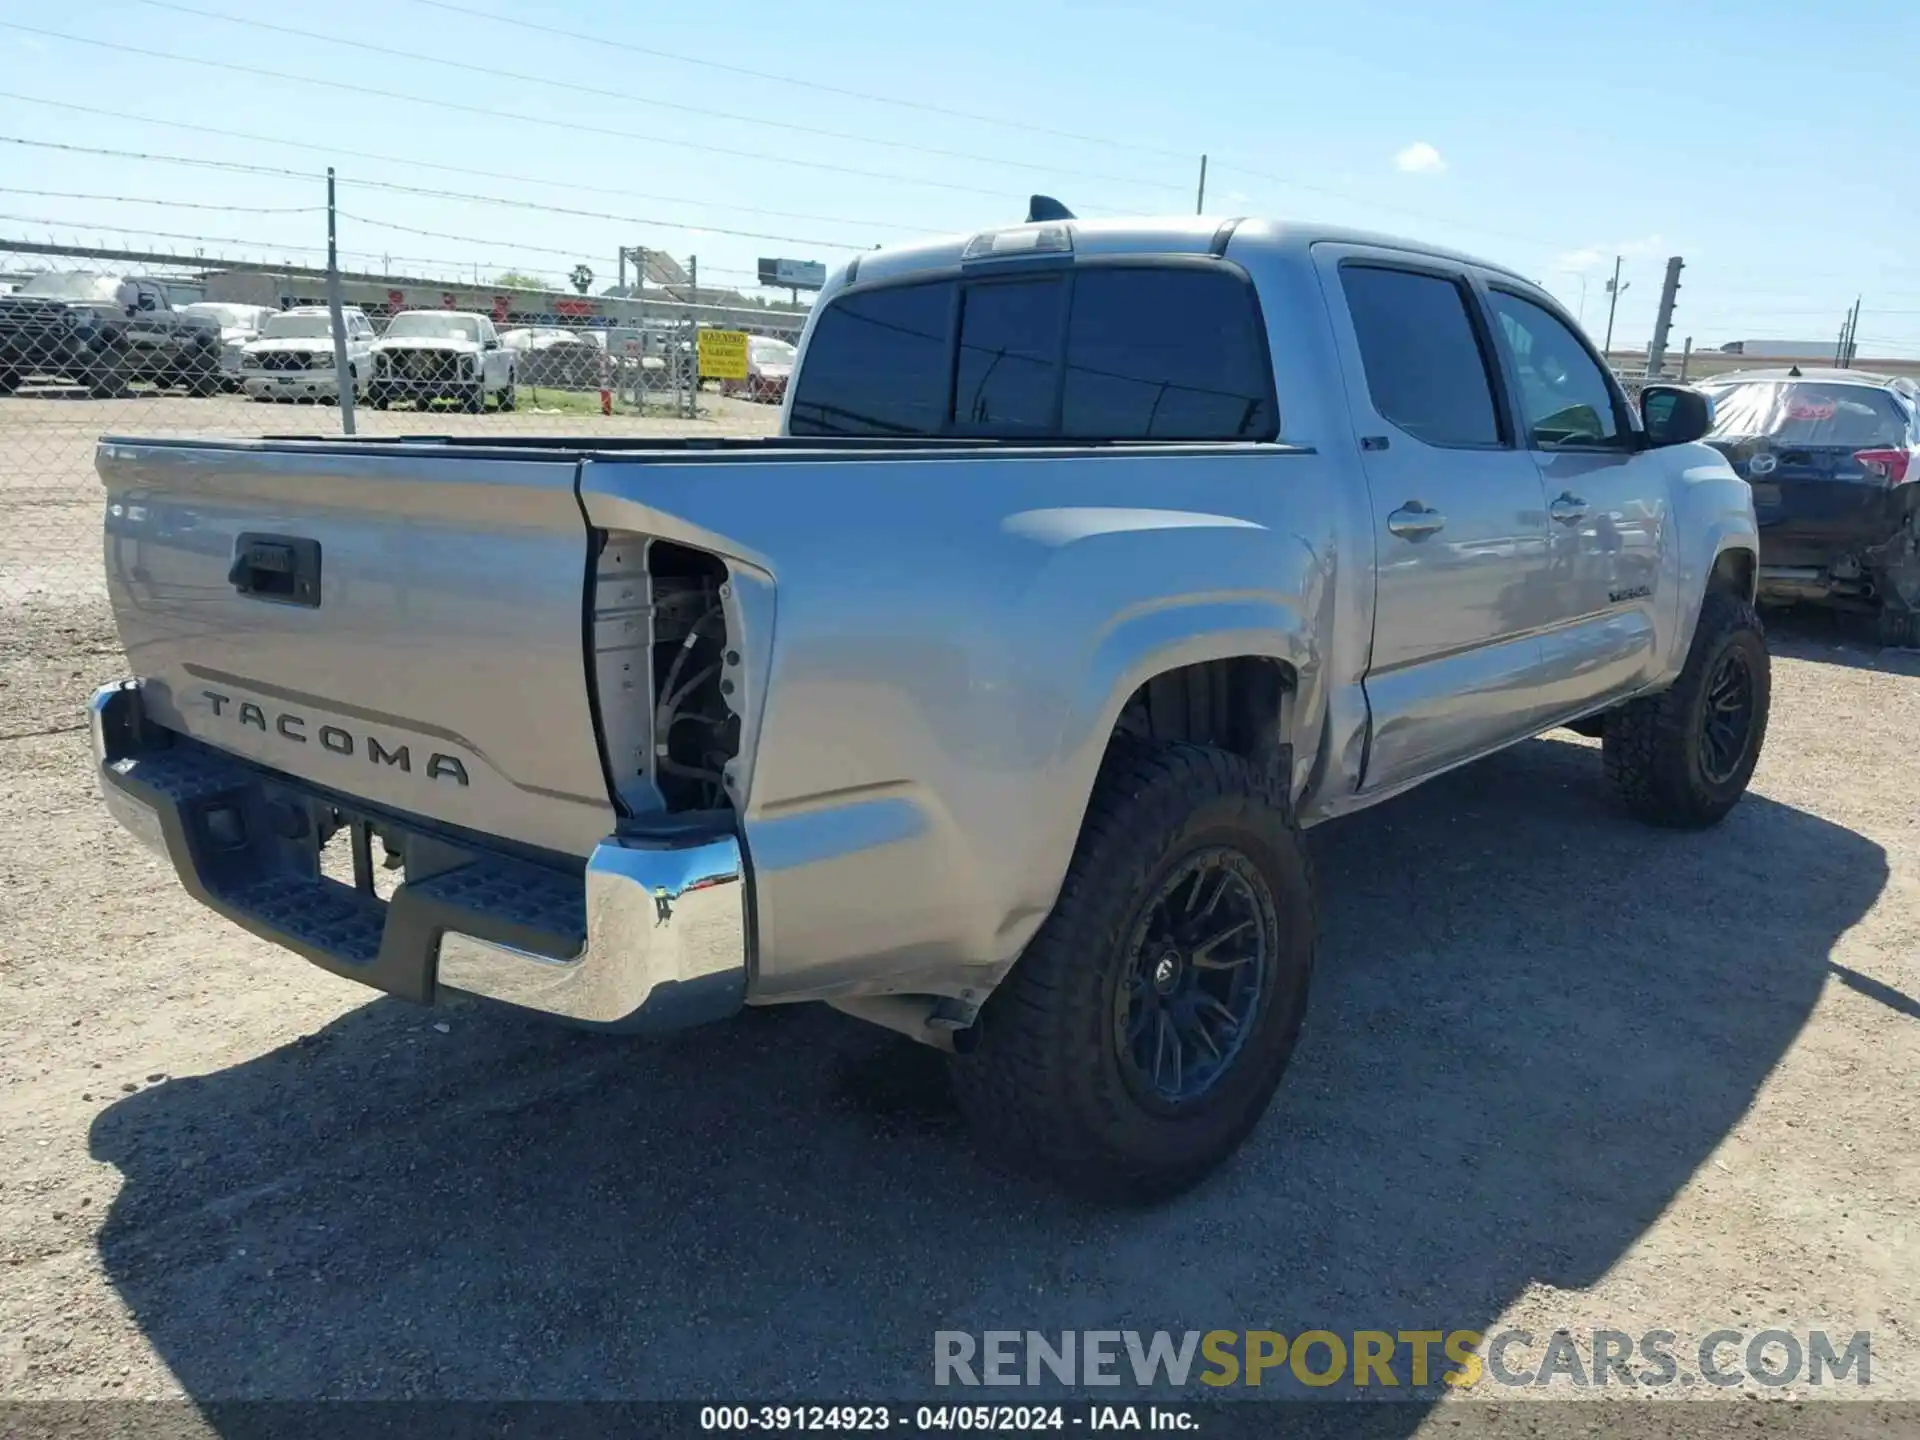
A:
[(877, 364), (1009, 360), (1425, 369), (1167, 354), (1564, 397)]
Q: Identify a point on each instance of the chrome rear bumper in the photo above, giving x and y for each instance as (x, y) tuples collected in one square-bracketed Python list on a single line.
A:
[(652, 934)]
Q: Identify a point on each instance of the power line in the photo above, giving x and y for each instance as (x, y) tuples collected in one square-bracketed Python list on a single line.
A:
[(172, 204), (1228, 164), (704, 112), (502, 200), (334, 152), (443, 235), (1387, 208), (818, 87), (572, 128)]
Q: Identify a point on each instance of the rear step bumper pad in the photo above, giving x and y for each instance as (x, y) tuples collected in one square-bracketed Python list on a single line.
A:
[(652, 938)]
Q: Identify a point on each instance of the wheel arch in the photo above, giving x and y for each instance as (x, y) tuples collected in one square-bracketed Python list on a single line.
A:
[(1736, 572)]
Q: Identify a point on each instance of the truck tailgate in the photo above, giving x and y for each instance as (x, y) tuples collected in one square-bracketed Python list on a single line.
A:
[(404, 628)]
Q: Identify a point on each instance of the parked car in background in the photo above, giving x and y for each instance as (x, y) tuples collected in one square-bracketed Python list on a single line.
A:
[(769, 367), (428, 355), (239, 324), (1832, 456), (104, 331), (560, 357), (293, 359)]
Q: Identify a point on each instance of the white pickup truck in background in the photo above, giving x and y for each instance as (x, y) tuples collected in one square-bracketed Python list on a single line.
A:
[(988, 703)]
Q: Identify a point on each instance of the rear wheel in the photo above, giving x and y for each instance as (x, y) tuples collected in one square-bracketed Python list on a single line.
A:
[(1141, 1036), (202, 373), (1683, 758), (105, 379), (1897, 627), (474, 399), (378, 397), (506, 399)]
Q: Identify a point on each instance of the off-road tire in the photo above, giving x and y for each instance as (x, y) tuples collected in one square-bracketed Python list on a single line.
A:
[(106, 380), (1654, 747), (1896, 627), (379, 397), (506, 400), (474, 401), (1041, 1081), (202, 374)]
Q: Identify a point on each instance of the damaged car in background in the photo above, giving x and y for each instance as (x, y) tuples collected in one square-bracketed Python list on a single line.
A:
[(1832, 456)]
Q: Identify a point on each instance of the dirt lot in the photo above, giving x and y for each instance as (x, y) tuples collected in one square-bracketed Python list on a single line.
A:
[(1560, 1072)]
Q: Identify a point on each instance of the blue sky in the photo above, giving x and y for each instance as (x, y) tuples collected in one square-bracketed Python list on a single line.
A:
[(1761, 141)]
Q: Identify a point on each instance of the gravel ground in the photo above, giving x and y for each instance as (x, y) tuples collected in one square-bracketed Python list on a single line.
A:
[(1559, 1072)]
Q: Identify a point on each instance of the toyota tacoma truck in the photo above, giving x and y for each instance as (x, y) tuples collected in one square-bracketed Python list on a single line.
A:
[(988, 702), (103, 332)]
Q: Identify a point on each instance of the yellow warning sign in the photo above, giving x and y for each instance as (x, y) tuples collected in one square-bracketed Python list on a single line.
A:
[(723, 354)]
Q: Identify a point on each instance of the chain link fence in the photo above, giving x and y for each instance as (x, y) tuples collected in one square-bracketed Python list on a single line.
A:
[(103, 344)]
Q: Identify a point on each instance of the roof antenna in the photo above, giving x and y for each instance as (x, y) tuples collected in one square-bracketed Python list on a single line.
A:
[(1794, 372), (1045, 207)]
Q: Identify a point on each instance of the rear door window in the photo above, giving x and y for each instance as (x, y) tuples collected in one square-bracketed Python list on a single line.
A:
[(1426, 371), (878, 364)]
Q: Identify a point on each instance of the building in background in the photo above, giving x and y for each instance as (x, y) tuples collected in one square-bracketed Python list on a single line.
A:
[(1783, 349)]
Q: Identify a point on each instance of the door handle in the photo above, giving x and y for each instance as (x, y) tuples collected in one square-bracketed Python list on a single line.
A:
[(1414, 521), (1568, 510)]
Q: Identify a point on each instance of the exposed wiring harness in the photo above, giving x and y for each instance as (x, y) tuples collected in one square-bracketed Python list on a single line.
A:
[(668, 714)]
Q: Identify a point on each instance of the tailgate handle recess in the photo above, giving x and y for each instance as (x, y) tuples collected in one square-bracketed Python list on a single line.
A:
[(283, 569)]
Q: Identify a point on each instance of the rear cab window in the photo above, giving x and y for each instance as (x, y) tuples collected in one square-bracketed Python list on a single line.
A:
[(1131, 350)]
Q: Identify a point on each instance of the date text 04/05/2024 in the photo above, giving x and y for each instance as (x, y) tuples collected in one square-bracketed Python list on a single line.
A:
[(990, 1419)]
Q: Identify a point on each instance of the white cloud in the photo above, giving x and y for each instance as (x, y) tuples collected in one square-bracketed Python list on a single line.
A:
[(1600, 257), (1419, 158)]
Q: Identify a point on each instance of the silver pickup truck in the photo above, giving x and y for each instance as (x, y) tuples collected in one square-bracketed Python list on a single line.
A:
[(988, 702)]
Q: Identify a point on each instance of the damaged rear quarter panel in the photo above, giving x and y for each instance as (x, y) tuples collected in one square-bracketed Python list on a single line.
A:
[(953, 639)]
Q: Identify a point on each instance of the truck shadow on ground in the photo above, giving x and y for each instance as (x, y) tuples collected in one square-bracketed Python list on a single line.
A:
[(1534, 1021)]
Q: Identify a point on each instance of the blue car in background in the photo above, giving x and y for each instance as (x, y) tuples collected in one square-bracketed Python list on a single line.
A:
[(1833, 457)]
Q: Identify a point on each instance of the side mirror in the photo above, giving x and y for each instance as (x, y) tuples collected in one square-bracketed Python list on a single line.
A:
[(490, 345), (1675, 414)]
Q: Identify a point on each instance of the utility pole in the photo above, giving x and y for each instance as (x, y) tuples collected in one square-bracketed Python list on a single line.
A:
[(342, 370), (1663, 319), (1686, 359), (1853, 332), (1614, 287), (1200, 200)]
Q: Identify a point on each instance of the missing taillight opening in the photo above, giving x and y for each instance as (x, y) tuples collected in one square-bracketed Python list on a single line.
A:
[(1889, 466)]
